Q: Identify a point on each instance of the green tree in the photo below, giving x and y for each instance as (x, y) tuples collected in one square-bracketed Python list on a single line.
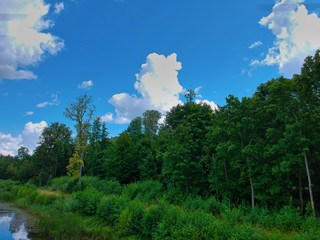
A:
[(53, 153), (81, 111), (96, 150), (124, 165), (150, 122), (182, 147)]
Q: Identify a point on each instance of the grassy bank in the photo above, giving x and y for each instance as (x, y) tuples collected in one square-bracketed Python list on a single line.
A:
[(106, 210)]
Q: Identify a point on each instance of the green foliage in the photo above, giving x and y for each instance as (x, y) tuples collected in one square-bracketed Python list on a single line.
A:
[(75, 165), (51, 157), (86, 201), (61, 225), (146, 191), (65, 184), (8, 190), (28, 192), (181, 224), (210, 205), (287, 219), (110, 208), (153, 215), (131, 219)]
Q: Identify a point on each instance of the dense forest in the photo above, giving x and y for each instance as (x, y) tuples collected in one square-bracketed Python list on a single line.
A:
[(262, 151)]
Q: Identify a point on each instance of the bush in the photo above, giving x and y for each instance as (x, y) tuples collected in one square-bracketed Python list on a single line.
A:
[(28, 192), (245, 232), (110, 187), (146, 191), (287, 219), (8, 190), (86, 202), (45, 199), (65, 184), (168, 223), (110, 208), (131, 219), (173, 195), (181, 224), (151, 219), (105, 186)]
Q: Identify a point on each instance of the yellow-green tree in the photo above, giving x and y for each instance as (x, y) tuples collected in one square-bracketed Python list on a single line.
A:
[(81, 111)]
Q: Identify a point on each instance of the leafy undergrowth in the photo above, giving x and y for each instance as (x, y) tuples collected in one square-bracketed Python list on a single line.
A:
[(144, 210)]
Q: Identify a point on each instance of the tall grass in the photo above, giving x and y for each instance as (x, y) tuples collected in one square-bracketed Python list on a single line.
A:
[(145, 210)]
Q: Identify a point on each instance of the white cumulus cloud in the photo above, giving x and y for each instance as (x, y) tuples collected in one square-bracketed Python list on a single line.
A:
[(9, 144), (58, 7), (297, 34), (86, 84), (157, 85), (212, 104), (28, 138), (24, 37), (108, 117)]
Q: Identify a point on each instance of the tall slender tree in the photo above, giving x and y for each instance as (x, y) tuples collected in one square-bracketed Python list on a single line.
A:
[(81, 111)]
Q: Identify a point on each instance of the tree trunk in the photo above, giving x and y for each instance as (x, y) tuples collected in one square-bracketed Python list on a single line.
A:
[(80, 170), (309, 184), (301, 193), (252, 193), (225, 169)]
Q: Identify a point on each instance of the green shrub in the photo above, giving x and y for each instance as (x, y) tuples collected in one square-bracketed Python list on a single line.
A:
[(151, 219), (146, 191), (8, 190), (65, 184), (213, 206), (110, 208), (28, 192), (45, 199), (232, 215), (181, 224), (86, 201), (287, 219), (131, 219), (173, 196), (245, 232), (110, 187), (195, 225), (168, 223), (311, 226)]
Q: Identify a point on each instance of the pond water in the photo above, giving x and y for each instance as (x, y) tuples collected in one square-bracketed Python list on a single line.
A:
[(12, 224)]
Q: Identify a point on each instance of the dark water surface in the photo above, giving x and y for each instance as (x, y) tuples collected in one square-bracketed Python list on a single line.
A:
[(12, 224)]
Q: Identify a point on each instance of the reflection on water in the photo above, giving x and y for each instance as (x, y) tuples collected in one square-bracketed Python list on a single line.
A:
[(12, 225)]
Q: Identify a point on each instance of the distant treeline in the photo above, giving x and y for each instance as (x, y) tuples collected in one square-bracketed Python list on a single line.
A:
[(262, 150)]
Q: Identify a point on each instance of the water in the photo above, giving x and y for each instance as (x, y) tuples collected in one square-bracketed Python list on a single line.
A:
[(12, 224)]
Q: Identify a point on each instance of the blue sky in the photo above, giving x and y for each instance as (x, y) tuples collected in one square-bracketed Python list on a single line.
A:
[(135, 55)]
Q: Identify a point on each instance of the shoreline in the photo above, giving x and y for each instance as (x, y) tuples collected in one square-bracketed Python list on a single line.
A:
[(20, 217)]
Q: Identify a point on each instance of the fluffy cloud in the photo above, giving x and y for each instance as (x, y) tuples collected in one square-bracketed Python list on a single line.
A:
[(9, 145), (255, 44), (157, 85), (24, 37), (297, 35), (58, 7), (210, 103), (86, 84), (54, 102), (108, 117)]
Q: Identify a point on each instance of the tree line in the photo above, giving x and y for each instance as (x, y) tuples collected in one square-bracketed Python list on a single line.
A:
[(261, 150)]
